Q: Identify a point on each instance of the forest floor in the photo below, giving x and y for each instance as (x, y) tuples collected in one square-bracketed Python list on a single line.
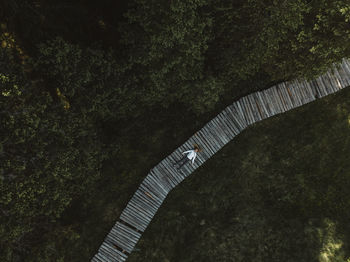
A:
[(280, 191), (277, 192), (142, 145)]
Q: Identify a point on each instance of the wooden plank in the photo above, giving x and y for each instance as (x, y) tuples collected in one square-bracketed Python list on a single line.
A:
[(134, 235), (104, 257), (107, 248), (287, 98), (329, 83), (215, 130), (203, 141), (339, 75), (336, 85), (208, 137), (125, 216), (231, 128), (149, 199), (252, 107), (274, 103), (291, 95), (303, 92), (266, 103), (235, 119), (150, 194), (239, 113), (146, 200), (273, 98), (284, 100), (210, 150), (165, 178), (257, 114), (97, 258), (162, 178), (278, 99), (259, 103), (176, 174), (137, 214), (315, 89), (115, 239), (155, 183), (329, 86), (346, 69), (228, 115), (320, 86), (246, 110), (154, 188), (123, 237), (158, 177), (109, 253), (143, 199), (170, 173), (345, 74), (134, 219), (296, 94), (165, 162), (225, 126), (119, 239), (217, 127), (136, 210), (233, 123), (309, 91), (141, 208), (215, 139)]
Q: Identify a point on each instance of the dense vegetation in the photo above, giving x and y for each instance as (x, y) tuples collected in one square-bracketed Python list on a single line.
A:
[(94, 94), (277, 192)]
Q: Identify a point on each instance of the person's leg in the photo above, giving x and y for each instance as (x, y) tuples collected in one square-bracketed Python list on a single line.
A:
[(181, 160), (184, 162)]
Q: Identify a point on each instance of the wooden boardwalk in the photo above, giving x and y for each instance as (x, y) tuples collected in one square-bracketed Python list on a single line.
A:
[(252, 108)]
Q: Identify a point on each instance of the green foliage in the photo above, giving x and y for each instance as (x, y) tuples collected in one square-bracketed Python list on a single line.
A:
[(88, 79), (49, 156), (167, 43), (182, 56), (281, 195), (286, 39)]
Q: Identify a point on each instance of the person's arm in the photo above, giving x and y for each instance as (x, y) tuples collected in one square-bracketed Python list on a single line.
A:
[(186, 152), (194, 158)]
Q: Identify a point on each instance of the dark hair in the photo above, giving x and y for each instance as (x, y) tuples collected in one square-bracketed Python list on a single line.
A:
[(195, 146)]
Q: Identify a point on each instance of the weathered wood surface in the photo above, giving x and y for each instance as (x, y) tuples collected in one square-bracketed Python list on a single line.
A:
[(143, 205)]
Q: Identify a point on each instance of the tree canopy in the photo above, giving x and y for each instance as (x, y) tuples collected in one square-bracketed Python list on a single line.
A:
[(76, 78)]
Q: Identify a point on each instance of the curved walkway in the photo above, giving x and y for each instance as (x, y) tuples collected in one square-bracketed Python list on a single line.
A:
[(252, 108)]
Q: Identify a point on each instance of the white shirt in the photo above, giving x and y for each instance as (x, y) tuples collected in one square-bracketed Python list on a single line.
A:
[(191, 155)]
